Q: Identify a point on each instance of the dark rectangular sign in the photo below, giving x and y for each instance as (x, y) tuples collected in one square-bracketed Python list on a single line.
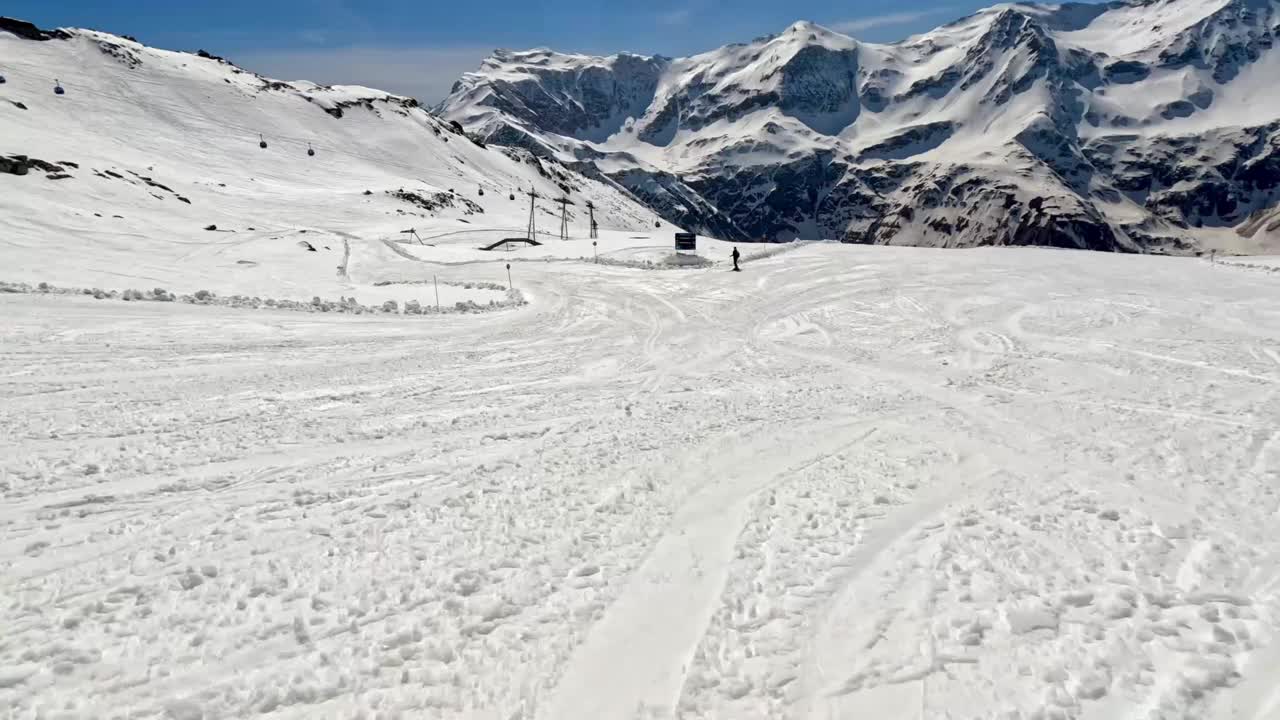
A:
[(686, 241)]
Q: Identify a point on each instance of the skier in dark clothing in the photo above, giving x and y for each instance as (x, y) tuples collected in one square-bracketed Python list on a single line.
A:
[(735, 260)]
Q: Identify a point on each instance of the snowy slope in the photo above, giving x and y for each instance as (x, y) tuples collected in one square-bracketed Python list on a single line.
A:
[(849, 482), (991, 130), (148, 147)]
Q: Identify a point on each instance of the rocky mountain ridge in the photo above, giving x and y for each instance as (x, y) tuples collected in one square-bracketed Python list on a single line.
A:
[(1143, 126)]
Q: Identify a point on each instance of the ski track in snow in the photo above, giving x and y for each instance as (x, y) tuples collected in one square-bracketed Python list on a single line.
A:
[(848, 482)]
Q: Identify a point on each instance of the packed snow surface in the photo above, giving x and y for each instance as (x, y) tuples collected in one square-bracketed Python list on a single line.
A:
[(848, 482)]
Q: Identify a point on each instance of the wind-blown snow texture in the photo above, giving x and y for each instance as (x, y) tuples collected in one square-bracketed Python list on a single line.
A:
[(1144, 126), (846, 483)]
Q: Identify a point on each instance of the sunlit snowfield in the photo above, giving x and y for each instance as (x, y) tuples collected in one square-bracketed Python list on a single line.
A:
[(846, 483)]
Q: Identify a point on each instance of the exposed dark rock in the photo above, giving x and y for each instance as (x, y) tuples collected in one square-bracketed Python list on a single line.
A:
[(14, 165), (1124, 72), (211, 56), (580, 101), (49, 167), (337, 110), (911, 141), (28, 31), (21, 165), (936, 87), (1214, 178), (150, 182), (121, 53), (1177, 109), (434, 202)]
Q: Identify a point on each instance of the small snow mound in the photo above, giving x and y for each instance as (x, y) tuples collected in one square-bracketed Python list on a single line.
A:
[(684, 260), (1025, 620)]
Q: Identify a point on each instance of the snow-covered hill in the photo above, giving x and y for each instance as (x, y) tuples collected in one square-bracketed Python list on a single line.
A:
[(1137, 126), (147, 148)]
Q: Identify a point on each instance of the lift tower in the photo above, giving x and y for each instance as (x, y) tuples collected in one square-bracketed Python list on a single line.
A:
[(564, 204), (533, 200)]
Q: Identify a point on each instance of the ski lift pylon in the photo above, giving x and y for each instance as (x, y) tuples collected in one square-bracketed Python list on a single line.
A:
[(2, 80)]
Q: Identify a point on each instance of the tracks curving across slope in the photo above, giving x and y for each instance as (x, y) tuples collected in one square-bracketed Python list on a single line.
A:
[(823, 487)]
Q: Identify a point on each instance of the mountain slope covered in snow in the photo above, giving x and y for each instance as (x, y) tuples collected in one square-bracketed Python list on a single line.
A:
[(147, 171), (1135, 126)]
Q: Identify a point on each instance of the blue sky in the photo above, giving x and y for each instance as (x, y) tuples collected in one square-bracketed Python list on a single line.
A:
[(419, 47)]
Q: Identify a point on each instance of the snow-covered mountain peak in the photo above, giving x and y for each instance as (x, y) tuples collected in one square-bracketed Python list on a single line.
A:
[(803, 26), (546, 58), (811, 33), (1136, 29)]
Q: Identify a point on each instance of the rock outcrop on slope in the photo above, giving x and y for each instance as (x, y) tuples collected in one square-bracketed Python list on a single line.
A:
[(1145, 126)]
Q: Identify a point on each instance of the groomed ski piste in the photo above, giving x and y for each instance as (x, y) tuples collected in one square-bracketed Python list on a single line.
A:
[(848, 482)]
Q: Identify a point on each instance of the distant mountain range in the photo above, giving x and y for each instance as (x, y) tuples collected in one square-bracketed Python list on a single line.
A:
[(1129, 126)]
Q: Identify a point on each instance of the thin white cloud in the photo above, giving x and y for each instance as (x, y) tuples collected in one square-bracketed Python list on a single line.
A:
[(875, 21), (682, 15), (425, 73), (675, 17)]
